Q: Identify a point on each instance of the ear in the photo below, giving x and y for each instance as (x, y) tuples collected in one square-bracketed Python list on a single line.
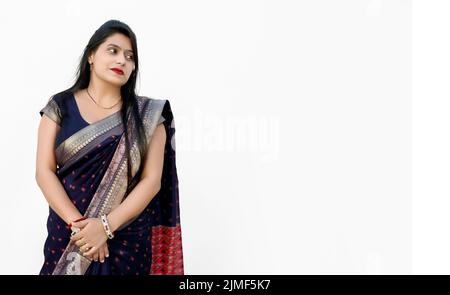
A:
[(91, 58)]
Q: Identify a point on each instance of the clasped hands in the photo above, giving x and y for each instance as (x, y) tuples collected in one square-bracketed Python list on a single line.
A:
[(91, 239)]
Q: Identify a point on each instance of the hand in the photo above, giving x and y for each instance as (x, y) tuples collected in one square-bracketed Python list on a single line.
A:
[(100, 254), (91, 238)]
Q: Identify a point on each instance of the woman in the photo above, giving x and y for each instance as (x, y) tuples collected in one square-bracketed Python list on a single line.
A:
[(106, 166)]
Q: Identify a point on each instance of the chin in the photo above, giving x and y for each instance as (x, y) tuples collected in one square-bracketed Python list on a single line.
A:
[(116, 81)]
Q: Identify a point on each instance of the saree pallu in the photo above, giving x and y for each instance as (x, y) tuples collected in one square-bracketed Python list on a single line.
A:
[(92, 167)]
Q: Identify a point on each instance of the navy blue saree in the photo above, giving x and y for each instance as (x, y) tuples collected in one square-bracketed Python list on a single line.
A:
[(92, 167)]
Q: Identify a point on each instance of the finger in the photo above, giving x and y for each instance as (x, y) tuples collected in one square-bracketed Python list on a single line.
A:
[(74, 230), (90, 251), (101, 254), (95, 256), (77, 236), (80, 242), (80, 226), (106, 250), (85, 248)]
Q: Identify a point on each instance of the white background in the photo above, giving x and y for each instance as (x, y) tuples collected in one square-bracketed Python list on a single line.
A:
[(294, 128), (430, 140)]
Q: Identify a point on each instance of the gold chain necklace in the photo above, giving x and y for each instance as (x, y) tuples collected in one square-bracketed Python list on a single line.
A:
[(100, 105)]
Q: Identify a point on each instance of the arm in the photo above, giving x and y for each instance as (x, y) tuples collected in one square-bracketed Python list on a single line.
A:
[(148, 186), (46, 178)]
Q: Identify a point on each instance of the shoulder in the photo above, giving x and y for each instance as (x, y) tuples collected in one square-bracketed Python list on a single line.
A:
[(55, 106), (147, 99), (58, 102), (153, 108), (150, 104), (59, 98)]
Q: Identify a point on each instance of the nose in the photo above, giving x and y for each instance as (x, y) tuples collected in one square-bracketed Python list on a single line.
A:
[(121, 60)]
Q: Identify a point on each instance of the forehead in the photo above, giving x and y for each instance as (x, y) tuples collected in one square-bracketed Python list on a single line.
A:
[(119, 40)]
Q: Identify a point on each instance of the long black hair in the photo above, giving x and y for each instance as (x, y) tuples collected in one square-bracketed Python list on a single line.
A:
[(129, 109)]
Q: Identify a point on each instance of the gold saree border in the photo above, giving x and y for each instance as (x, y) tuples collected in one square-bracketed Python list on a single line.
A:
[(77, 142)]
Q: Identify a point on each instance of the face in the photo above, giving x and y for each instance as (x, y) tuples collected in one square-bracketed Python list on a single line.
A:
[(114, 52)]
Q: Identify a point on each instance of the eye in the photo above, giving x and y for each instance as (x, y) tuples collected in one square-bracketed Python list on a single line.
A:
[(130, 56)]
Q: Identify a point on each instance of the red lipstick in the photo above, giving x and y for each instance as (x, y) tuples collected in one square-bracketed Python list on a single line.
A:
[(117, 71)]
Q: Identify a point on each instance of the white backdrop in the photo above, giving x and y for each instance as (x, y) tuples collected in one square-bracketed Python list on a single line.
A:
[(293, 124)]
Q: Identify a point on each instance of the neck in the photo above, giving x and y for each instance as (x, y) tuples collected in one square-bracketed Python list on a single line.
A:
[(104, 93)]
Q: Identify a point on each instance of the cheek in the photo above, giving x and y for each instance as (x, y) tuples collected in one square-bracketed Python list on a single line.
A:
[(102, 64), (130, 71), (105, 60)]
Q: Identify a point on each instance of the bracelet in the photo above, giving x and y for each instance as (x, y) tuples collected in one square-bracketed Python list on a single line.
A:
[(75, 230), (106, 226)]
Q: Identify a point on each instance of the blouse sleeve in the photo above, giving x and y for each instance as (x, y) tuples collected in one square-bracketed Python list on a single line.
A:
[(52, 111), (161, 119)]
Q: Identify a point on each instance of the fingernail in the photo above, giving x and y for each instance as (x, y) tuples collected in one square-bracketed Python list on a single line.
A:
[(107, 255), (102, 261)]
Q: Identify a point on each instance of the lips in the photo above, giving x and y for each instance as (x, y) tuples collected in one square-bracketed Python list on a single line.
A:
[(117, 71)]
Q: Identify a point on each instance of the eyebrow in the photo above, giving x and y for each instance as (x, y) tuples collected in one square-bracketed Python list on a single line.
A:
[(119, 47)]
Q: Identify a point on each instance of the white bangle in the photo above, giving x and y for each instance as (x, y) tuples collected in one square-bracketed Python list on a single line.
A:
[(106, 226)]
